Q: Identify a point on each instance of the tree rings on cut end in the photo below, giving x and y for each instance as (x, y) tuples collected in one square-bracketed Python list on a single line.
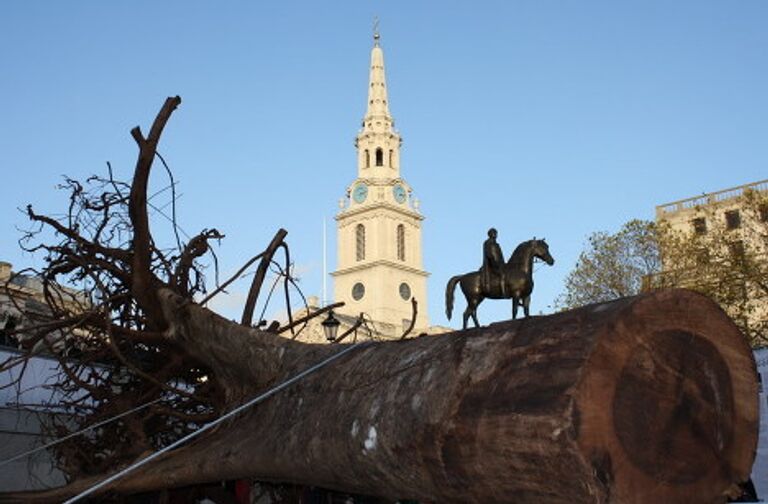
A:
[(666, 408), (673, 407)]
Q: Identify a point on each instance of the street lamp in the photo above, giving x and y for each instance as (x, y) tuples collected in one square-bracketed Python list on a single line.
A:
[(331, 327)]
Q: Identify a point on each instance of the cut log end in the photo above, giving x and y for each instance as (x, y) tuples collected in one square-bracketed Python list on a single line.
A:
[(667, 407)]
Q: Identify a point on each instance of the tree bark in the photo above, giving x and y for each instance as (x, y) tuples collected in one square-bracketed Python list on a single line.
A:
[(646, 399)]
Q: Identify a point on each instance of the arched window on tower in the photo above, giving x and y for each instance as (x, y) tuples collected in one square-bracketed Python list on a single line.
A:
[(379, 157), (401, 242), (391, 158), (360, 242), (367, 158)]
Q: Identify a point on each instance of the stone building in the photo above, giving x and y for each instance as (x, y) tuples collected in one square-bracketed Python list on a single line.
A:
[(725, 252), (720, 210), (379, 254), (23, 304), (379, 266)]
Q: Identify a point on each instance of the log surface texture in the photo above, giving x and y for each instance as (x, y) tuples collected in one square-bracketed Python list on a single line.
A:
[(649, 399)]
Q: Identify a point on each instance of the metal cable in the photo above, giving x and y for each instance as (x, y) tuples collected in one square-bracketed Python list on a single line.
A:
[(74, 434), (214, 423)]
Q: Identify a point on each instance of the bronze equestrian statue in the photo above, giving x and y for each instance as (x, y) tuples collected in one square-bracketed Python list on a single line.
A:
[(513, 279)]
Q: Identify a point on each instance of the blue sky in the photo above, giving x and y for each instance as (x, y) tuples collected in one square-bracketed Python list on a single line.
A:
[(541, 118)]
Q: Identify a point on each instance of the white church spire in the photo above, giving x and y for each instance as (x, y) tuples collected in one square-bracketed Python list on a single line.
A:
[(377, 113), (379, 266), (378, 143)]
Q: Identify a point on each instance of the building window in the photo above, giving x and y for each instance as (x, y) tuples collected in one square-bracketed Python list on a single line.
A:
[(358, 291), (367, 158), (401, 242), (732, 219), (702, 257), (405, 291), (360, 242), (763, 211), (391, 158), (736, 289), (379, 157), (6, 339), (700, 225), (736, 249)]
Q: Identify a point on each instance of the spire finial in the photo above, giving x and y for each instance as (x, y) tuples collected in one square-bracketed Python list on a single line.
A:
[(376, 35)]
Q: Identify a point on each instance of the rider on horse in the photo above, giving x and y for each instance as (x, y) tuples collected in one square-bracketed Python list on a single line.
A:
[(512, 279), (493, 260)]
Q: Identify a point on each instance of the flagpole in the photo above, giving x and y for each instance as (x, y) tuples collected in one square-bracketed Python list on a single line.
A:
[(325, 266)]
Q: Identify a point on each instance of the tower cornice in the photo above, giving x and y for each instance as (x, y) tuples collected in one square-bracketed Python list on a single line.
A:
[(397, 209), (381, 262)]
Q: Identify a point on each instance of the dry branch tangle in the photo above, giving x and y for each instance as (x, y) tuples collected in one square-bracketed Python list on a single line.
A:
[(644, 400)]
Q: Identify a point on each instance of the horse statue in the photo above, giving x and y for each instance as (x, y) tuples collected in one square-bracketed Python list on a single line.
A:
[(516, 281)]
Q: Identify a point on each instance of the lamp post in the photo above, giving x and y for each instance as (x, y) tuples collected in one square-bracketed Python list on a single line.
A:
[(331, 327)]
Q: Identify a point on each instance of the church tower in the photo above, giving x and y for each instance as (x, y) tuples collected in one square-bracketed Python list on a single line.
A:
[(379, 267)]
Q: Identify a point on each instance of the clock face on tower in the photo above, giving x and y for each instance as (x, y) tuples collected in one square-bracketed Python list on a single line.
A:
[(360, 192), (398, 191)]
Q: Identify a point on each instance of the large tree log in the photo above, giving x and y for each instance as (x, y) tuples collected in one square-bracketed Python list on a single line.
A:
[(647, 399)]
